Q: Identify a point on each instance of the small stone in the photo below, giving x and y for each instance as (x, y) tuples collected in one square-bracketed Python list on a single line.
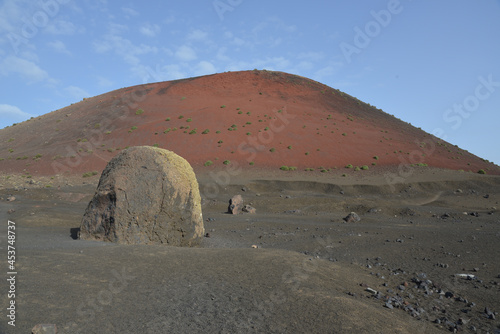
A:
[(11, 199), (248, 209), (207, 235), (352, 218), (389, 305), (11, 211), (44, 329), (255, 246)]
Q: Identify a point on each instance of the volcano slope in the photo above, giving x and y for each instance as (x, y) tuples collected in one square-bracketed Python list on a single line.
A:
[(256, 119), (308, 271)]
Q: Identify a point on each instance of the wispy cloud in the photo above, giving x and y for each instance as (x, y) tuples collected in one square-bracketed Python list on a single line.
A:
[(59, 46), (13, 113), (129, 12), (26, 69), (197, 35), (76, 93), (150, 30), (123, 47), (203, 68), (185, 53), (61, 27)]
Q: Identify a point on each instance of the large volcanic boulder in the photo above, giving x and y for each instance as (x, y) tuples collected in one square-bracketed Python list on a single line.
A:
[(146, 195)]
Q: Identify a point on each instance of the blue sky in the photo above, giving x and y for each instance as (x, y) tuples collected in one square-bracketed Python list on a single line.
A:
[(433, 64)]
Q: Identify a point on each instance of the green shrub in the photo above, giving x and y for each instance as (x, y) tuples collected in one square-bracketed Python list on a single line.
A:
[(284, 168), (89, 174), (249, 133), (290, 147), (180, 117), (168, 119), (349, 166), (167, 130), (154, 145), (205, 131), (272, 149), (481, 171), (132, 128), (375, 157), (357, 168), (208, 163), (218, 131), (226, 162), (364, 167), (251, 163), (107, 132), (139, 112), (344, 134), (38, 156), (192, 132), (189, 120), (223, 106)]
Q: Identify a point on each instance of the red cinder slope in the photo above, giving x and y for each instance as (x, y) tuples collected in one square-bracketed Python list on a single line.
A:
[(258, 119)]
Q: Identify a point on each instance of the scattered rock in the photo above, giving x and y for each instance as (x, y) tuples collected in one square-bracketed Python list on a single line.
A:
[(255, 246), (11, 199), (44, 329), (235, 205), (352, 218), (146, 195), (248, 209), (11, 211)]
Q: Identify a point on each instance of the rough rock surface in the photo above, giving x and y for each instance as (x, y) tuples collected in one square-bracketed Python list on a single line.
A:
[(352, 218), (235, 205), (249, 209), (146, 195)]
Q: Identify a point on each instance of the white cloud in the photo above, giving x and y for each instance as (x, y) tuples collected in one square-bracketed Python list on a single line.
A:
[(129, 12), (59, 46), (150, 30), (204, 67), (104, 82), (221, 55), (123, 47), (311, 56), (26, 69), (13, 113), (197, 35), (61, 27), (76, 93), (185, 53)]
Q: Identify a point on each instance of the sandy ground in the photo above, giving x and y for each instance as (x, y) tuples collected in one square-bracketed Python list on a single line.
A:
[(310, 273)]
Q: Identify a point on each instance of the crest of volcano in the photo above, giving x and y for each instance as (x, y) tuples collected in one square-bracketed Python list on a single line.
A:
[(257, 119)]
